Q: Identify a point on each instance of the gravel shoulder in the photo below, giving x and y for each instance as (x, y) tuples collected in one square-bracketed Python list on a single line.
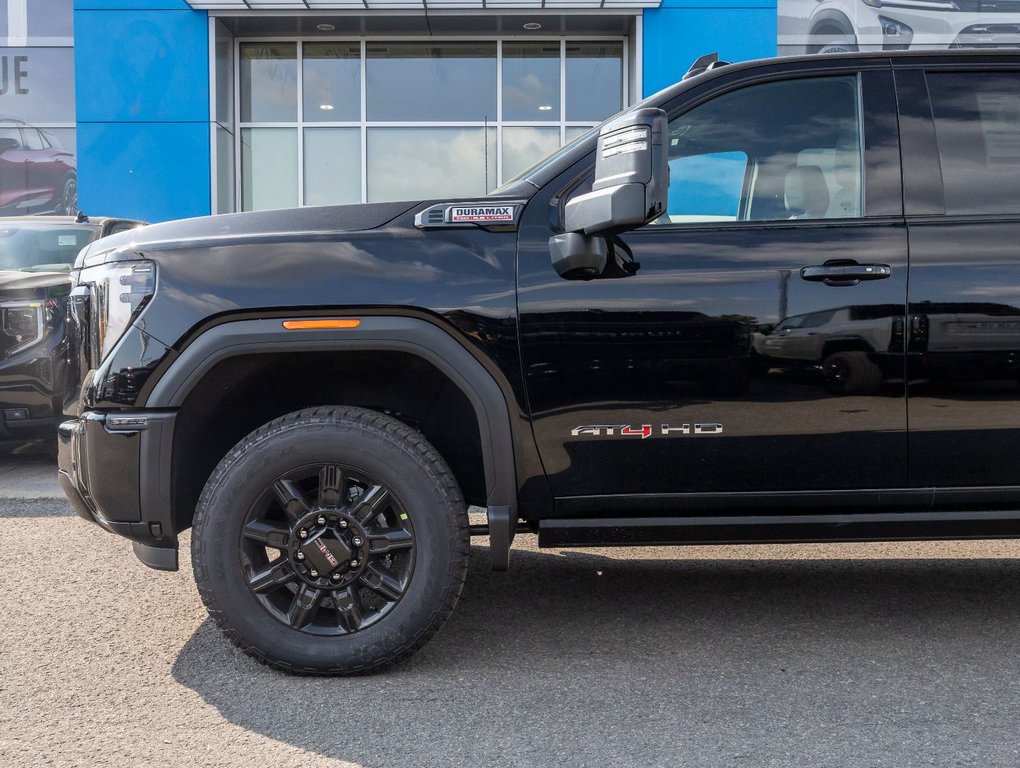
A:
[(849, 655)]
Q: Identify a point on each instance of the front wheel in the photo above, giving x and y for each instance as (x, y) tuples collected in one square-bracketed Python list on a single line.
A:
[(331, 541)]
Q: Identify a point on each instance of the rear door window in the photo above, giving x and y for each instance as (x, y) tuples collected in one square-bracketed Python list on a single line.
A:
[(977, 126)]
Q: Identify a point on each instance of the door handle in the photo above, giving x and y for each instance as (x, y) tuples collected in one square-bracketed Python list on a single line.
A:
[(845, 272)]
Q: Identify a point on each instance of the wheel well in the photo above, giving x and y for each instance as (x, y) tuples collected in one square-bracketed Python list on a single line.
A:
[(845, 345), (837, 25), (240, 394)]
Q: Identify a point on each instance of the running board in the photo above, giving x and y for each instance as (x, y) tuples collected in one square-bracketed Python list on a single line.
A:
[(751, 529)]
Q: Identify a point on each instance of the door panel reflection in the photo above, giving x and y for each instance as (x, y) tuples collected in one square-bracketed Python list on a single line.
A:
[(964, 353), (697, 336)]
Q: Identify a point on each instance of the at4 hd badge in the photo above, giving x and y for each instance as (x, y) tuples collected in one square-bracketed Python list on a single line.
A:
[(646, 430)]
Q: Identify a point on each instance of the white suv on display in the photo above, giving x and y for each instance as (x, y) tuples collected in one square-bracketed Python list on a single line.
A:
[(832, 26)]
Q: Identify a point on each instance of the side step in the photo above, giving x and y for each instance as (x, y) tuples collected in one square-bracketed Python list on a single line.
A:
[(750, 529)]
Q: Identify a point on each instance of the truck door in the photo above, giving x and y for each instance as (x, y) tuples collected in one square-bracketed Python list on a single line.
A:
[(962, 194), (642, 383)]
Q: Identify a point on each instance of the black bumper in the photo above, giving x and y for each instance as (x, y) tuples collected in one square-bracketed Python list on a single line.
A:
[(115, 469)]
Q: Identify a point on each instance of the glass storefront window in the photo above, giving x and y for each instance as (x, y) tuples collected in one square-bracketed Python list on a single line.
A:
[(49, 18), (419, 163), (446, 82), (268, 168), (531, 81), (224, 170), (594, 80), (575, 132), (523, 147), (331, 78), (332, 166), (334, 122), (268, 82)]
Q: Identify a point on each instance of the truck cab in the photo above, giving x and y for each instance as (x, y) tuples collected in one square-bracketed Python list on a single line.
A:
[(320, 393)]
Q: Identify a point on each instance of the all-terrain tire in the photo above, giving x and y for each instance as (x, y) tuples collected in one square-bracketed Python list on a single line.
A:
[(361, 441)]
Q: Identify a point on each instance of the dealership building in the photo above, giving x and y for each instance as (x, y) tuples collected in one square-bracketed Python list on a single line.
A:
[(209, 106)]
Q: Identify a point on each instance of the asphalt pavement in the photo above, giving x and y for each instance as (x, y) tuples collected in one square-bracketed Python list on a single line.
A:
[(807, 655)]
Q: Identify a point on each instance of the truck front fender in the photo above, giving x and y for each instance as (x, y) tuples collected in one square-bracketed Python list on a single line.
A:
[(386, 333)]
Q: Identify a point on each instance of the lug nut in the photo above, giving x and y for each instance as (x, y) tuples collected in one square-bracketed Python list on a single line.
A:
[(299, 555), (313, 573), (302, 534), (356, 541), (355, 563), (343, 523), (335, 577), (321, 520)]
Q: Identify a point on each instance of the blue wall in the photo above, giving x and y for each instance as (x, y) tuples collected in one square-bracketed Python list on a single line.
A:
[(142, 85), (679, 31)]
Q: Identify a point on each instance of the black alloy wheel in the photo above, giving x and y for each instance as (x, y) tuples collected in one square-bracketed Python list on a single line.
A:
[(332, 540), (327, 549)]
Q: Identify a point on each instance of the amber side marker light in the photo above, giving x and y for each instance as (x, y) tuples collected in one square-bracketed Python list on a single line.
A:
[(317, 325)]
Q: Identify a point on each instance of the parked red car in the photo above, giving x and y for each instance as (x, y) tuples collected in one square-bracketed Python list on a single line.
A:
[(37, 175)]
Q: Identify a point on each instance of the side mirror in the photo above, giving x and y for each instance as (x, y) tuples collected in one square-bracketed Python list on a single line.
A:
[(631, 176), (630, 188), (7, 144)]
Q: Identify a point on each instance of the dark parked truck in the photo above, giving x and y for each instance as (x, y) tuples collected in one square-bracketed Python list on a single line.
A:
[(320, 393), (36, 254)]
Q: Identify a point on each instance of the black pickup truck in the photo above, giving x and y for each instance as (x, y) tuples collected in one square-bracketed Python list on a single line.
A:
[(320, 393)]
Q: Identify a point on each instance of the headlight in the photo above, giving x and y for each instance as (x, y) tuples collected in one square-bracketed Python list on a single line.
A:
[(22, 322), (120, 290)]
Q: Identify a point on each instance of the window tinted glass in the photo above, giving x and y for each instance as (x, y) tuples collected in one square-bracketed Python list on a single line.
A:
[(785, 150), (39, 246), (421, 163), (268, 82), (332, 82), (11, 138), (431, 81), (817, 318), (706, 187), (977, 124), (32, 139), (594, 75), (531, 81)]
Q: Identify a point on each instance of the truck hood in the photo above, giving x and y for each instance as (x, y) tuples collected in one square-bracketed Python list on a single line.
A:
[(224, 228), (16, 285)]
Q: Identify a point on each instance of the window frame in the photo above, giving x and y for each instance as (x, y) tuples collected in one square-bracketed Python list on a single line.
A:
[(884, 188), (753, 165), (926, 151), (363, 125)]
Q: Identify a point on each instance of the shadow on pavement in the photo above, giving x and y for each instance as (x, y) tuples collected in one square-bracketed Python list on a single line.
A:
[(583, 660)]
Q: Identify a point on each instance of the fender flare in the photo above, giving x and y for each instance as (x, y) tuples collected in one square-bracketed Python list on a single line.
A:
[(381, 333), (837, 18)]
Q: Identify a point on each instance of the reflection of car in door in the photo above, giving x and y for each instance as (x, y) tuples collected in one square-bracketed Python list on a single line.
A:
[(673, 348), (834, 26), (768, 177), (37, 175), (856, 347), (963, 341)]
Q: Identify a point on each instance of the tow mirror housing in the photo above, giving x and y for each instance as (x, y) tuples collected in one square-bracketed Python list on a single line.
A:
[(631, 176), (630, 188)]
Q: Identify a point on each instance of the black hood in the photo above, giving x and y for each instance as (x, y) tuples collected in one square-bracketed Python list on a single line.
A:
[(328, 219), (27, 286)]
